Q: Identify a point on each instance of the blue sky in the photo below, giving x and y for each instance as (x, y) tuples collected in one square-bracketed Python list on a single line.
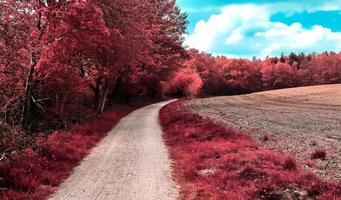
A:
[(246, 28)]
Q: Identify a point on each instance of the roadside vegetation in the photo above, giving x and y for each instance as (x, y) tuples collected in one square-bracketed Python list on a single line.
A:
[(214, 162), (35, 172), (303, 122)]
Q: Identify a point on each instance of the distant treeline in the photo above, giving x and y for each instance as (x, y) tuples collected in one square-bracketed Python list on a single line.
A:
[(205, 75)]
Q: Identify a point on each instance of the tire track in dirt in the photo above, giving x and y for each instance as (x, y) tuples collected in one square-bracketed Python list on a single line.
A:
[(130, 163)]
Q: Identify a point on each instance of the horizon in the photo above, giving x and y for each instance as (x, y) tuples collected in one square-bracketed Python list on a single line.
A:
[(271, 28)]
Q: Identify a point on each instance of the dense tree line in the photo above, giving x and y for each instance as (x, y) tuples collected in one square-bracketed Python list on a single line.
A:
[(61, 59), (207, 75)]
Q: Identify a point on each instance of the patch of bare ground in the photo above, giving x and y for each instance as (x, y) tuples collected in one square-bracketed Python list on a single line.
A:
[(299, 121)]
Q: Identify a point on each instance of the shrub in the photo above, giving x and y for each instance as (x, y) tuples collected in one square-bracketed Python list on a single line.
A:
[(319, 154), (265, 138), (289, 164), (184, 83)]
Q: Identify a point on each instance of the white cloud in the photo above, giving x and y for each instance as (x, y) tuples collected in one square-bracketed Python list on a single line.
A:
[(206, 33), (330, 5), (284, 38), (249, 27), (228, 55), (235, 37), (200, 10)]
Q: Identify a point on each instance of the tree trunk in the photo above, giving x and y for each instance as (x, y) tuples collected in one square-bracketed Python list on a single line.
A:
[(103, 98), (27, 105), (118, 93), (63, 104), (97, 91)]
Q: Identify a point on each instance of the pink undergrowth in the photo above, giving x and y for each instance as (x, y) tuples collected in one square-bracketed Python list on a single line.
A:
[(34, 173), (213, 162)]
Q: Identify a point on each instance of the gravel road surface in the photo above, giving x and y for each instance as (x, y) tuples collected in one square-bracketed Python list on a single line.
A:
[(131, 163)]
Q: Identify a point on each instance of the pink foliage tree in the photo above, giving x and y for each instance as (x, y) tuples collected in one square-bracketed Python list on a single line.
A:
[(184, 83)]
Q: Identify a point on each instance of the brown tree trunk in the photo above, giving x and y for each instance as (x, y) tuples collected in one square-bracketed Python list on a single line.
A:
[(119, 94), (27, 105), (103, 98), (97, 92), (63, 104)]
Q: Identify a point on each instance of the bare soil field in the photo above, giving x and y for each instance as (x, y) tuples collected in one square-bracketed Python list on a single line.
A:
[(297, 121)]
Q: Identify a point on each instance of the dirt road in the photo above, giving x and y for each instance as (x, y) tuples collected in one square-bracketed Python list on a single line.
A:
[(296, 121), (130, 163)]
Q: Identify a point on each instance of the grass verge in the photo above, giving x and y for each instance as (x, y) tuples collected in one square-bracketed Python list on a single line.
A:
[(213, 162)]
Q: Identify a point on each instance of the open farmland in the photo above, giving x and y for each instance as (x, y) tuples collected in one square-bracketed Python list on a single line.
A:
[(297, 121)]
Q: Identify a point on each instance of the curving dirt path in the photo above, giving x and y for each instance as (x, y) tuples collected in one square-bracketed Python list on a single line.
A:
[(130, 163)]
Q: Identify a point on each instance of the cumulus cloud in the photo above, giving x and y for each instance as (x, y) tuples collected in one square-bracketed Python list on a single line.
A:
[(247, 30), (283, 38), (226, 23)]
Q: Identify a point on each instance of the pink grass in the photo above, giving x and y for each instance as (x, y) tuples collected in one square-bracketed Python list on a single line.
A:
[(213, 162)]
